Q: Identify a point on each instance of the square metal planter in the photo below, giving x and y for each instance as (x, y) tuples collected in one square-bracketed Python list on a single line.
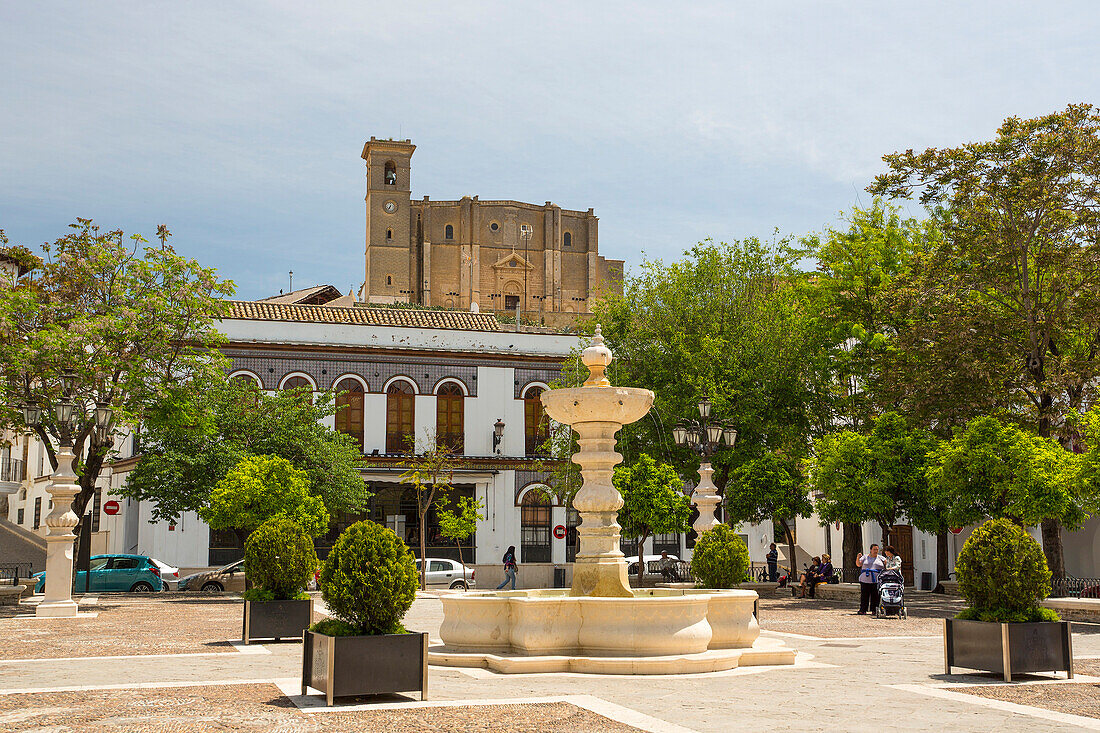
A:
[(342, 666), (276, 619), (1008, 649)]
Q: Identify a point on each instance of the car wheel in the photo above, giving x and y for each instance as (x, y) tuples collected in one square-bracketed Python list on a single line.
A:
[(141, 587), (459, 585), (164, 587), (212, 587)]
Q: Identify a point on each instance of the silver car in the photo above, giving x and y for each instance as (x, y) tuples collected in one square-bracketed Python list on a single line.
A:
[(228, 578), (448, 574)]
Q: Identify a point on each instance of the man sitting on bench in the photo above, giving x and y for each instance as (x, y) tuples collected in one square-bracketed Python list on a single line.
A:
[(667, 566)]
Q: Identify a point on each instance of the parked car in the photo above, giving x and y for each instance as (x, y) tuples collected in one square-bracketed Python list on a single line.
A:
[(169, 575), (448, 574), (107, 573), (228, 578)]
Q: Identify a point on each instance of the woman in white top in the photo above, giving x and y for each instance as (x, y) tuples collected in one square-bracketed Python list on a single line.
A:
[(893, 560), (870, 565)]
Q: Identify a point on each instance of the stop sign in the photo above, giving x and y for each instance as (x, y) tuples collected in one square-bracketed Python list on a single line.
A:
[(111, 507)]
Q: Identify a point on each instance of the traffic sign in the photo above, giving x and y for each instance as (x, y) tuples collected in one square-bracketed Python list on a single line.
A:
[(559, 531), (956, 530), (111, 507)]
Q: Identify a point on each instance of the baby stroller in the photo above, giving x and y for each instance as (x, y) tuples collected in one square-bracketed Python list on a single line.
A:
[(891, 595)]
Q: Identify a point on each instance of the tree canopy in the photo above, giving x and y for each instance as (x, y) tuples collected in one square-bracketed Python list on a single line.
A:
[(993, 469), (260, 488), (131, 321), (768, 488), (1013, 289), (193, 436), (653, 501)]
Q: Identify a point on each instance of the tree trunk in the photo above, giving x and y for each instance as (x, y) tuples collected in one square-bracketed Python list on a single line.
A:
[(458, 544), (885, 529), (641, 558), (853, 544), (792, 571), (423, 551), (1052, 548), (943, 565)]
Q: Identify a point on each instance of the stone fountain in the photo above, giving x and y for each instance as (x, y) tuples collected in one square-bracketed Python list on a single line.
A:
[(600, 624)]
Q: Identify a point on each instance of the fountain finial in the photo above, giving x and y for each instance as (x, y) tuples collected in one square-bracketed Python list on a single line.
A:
[(597, 357)]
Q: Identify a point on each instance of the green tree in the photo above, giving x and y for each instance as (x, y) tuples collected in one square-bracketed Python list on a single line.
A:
[(1015, 279), (875, 478), (260, 488), (131, 322), (729, 321), (430, 475), (857, 268), (653, 502), (768, 488), (191, 437), (991, 469), (460, 523)]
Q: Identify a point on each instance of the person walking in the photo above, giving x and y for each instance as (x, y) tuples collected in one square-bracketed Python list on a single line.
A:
[(510, 568), (773, 563), (870, 566)]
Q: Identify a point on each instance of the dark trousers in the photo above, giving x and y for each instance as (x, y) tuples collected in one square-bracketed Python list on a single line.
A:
[(868, 596), (773, 572)]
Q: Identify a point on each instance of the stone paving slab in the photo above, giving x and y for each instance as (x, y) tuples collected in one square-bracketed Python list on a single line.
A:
[(263, 707), (127, 625)]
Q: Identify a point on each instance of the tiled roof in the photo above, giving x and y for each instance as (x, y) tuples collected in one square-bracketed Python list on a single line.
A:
[(318, 293), (361, 315)]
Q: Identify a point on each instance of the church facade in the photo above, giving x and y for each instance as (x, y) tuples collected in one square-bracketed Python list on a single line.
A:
[(495, 255)]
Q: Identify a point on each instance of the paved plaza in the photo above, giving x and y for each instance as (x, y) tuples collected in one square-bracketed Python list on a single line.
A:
[(174, 661)]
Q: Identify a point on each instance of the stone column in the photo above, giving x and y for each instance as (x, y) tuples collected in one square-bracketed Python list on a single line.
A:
[(600, 569), (705, 499), (59, 542)]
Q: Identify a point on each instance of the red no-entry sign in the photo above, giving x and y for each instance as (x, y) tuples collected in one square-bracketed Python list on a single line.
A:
[(559, 531), (111, 507)]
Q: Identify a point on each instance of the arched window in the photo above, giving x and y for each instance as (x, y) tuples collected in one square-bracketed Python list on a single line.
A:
[(391, 173), (448, 232), (567, 240), (449, 425), (399, 417), (389, 235), (535, 527), (299, 383), (389, 279), (535, 427), (349, 409)]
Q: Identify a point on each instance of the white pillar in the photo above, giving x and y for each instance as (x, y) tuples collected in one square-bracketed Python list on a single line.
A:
[(59, 542), (705, 499)]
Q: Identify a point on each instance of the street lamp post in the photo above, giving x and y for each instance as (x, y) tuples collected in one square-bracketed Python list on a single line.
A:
[(63, 487), (705, 437)]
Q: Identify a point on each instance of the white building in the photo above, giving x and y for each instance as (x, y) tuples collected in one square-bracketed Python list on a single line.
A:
[(446, 376)]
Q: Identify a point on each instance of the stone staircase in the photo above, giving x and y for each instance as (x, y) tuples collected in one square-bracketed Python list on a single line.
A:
[(18, 545)]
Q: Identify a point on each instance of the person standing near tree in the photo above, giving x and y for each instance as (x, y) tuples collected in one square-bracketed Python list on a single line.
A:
[(871, 565), (773, 563)]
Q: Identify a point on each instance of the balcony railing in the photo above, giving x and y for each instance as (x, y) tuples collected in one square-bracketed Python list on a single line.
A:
[(12, 471)]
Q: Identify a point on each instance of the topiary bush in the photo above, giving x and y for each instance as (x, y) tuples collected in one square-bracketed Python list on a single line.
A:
[(1003, 575), (720, 558), (368, 581), (279, 560)]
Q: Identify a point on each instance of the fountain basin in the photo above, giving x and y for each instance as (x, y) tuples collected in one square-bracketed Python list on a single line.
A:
[(654, 622), (657, 631)]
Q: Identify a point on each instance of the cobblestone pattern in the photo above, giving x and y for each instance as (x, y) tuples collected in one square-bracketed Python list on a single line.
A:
[(262, 707)]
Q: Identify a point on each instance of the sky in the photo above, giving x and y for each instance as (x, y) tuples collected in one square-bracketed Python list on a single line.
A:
[(240, 124)]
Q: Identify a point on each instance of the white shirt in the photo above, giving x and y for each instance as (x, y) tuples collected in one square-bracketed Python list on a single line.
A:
[(871, 568)]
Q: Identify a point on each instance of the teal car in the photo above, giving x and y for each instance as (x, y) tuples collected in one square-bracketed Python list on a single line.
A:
[(106, 573)]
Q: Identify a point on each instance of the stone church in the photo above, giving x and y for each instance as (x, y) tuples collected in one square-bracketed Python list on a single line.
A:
[(495, 255)]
